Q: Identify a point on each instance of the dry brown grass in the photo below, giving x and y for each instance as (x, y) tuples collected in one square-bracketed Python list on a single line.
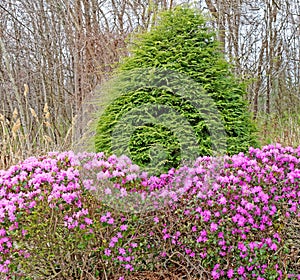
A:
[(279, 129), (39, 137)]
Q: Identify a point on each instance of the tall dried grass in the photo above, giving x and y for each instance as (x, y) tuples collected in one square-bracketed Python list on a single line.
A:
[(39, 137), (283, 129)]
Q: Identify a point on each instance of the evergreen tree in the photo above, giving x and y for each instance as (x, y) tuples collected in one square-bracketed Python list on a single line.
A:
[(180, 43)]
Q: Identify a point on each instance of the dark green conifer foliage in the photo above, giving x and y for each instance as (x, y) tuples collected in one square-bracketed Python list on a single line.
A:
[(182, 43)]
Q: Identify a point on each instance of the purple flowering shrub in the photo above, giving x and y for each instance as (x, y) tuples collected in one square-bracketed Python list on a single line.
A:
[(70, 216)]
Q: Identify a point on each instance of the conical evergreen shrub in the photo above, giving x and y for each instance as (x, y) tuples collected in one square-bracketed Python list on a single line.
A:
[(179, 45)]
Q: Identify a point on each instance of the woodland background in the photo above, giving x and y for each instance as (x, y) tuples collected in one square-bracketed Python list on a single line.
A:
[(53, 54)]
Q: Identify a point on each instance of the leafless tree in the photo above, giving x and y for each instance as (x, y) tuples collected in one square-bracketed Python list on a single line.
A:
[(61, 50), (261, 39)]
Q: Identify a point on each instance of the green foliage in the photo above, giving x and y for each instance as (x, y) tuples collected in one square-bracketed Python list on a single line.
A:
[(182, 45)]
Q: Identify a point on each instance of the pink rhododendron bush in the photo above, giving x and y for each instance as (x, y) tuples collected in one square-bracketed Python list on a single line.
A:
[(86, 216)]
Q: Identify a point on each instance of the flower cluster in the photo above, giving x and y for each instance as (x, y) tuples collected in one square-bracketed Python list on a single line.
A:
[(225, 217)]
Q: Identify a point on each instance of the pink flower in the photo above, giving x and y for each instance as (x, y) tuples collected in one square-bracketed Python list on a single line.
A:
[(222, 200), (114, 239), (128, 267), (107, 191), (88, 221), (203, 255), (230, 273), (122, 251), (277, 236), (163, 254), (111, 221), (273, 247), (249, 206), (262, 227), (123, 192), (241, 270), (215, 274), (213, 227), (166, 236), (2, 232), (82, 226), (123, 227), (206, 215), (103, 219), (203, 232), (107, 252)]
